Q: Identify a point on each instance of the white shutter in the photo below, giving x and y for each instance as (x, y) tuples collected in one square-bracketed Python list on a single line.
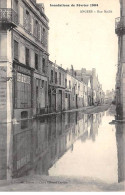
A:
[(21, 15), (3, 44), (22, 53)]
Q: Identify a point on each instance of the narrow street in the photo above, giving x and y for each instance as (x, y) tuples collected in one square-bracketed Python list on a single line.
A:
[(66, 152)]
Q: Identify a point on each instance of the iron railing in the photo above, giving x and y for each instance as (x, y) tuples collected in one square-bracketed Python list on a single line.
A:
[(120, 24), (8, 15)]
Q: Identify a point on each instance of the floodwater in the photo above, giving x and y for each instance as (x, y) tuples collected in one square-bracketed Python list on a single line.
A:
[(70, 144)]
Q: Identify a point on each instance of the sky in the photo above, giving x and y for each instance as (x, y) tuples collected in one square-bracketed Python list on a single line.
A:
[(84, 40)]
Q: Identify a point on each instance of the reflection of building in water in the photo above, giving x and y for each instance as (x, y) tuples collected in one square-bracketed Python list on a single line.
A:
[(5, 151), (36, 145), (95, 123), (22, 147), (120, 138)]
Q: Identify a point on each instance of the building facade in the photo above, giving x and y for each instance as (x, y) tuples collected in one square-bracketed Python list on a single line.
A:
[(56, 87), (95, 93), (24, 58), (65, 91), (120, 76), (30, 84)]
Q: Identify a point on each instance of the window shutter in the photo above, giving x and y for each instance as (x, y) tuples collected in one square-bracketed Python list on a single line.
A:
[(29, 22), (42, 35), (46, 39), (34, 28), (24, 17), (16, 50), (38, 31), (32, 25)]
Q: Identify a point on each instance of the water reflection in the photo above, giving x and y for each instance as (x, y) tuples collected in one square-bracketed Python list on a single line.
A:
[(120, 137), (66, 144)]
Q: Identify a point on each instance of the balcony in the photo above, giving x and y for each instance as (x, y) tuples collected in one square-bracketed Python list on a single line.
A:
[(8, 17), (120, 25)]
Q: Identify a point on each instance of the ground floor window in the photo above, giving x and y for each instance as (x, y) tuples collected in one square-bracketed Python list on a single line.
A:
[(23, 91)]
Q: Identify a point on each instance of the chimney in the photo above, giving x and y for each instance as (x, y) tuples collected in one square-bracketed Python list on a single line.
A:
[(41, 7), (94, 71)]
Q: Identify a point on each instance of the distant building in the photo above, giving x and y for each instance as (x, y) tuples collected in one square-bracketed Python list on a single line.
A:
[(95, 93), (78, 90), (56, 88), (109, 96)]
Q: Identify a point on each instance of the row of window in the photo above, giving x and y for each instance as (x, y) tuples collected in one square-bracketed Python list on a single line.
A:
[(28, 57), (61, 81), (60, 77), (32, 25)]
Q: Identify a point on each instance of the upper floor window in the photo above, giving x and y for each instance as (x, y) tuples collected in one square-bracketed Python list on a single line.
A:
[(42, 84), (36, 28), (63, 79), (36, 61), (21, 16), (3, 4), (70, 84), (44, 36), (27, 56), (59, 78), (76, 86), (43, 67), (3, 44), (32, 25), (15, 5), (55, 77), (15, 50), (66, 83), (52, 76), (27, 21)]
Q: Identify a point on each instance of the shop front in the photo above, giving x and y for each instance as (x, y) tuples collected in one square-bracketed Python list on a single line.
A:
[(22, 92)]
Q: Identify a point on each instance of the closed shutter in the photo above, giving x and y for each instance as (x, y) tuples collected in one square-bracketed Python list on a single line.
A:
[(46, 39), (22, 53), (38, 33), (3, 44), (24, 14), (35, 28), (41, 34), (29, 23), (21, 15), (16, 50), (3, 3)]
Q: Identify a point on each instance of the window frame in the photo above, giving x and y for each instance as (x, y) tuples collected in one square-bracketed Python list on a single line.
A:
[(16, 50)]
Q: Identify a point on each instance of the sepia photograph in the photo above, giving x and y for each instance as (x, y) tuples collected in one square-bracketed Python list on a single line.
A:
[(62, 95)]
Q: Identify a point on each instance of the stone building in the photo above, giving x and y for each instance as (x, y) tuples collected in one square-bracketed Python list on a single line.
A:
[(56, 88), (95, 93), (23, 59), (120, 76), (79, 89), (65, 91), (109, 96), (68, 91)]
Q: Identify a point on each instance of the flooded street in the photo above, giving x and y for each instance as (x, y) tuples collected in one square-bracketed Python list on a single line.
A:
[(70, 144), (94, 154)]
